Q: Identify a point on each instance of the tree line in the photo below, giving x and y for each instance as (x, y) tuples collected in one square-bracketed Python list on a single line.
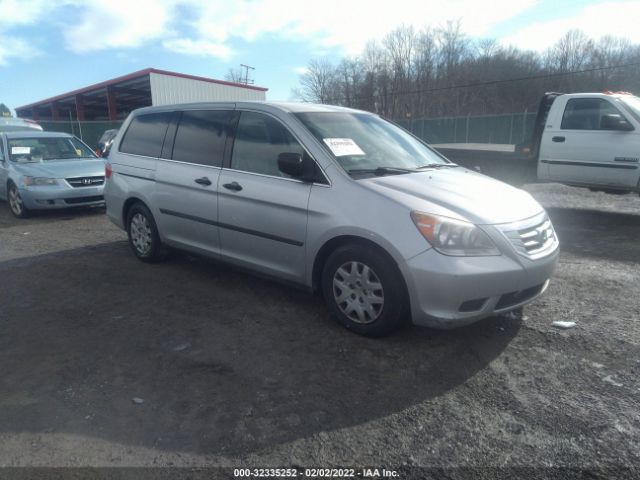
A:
[(439, 72)]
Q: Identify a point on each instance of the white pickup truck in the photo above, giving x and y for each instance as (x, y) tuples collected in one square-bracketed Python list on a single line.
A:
[(583, 139)]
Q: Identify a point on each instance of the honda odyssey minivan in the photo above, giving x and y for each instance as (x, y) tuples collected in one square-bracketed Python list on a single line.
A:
[(337, 200)]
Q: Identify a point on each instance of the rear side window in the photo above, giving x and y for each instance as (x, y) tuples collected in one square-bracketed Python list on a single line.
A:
[(586, 113), (146, 134), (201, 137), (259, 141)]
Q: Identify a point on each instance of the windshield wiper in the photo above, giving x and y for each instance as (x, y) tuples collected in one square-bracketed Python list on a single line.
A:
[(438, 165), (380, 171)]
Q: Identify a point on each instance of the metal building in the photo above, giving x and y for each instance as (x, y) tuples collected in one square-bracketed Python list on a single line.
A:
[(114, 99)]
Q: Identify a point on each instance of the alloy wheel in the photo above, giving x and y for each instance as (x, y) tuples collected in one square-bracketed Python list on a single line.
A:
[(15, 201)]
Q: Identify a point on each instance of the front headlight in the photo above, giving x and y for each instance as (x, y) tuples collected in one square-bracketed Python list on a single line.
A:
[(38, 181), (454, 237)]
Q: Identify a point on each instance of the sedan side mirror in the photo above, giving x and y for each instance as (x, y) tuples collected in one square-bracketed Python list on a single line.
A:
[(615, 121)]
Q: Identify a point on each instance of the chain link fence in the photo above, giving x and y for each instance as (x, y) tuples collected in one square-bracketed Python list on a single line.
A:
[(89, 132), (509, 128)]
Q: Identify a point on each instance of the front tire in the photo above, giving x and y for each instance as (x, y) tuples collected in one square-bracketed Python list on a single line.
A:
[(143, 234), (364, 290), (16, 205)]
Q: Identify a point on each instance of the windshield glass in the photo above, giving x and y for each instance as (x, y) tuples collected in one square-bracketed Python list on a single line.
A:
[(633, 105), (360, 141), (38, 149)]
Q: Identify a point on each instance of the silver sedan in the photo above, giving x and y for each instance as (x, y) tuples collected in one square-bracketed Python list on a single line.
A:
[(48, 170)]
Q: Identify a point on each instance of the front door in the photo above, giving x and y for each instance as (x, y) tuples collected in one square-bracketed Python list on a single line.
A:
[(263, 213)]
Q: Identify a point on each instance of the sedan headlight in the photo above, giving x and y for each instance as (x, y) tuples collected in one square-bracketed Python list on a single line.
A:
[(38, 181), (454, 237)]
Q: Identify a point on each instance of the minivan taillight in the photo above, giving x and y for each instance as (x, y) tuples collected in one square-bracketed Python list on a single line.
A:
[(108, 171)]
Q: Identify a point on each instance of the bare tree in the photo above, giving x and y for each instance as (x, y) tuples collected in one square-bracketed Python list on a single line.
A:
[(318, 82), (442, 72), (235, 75)]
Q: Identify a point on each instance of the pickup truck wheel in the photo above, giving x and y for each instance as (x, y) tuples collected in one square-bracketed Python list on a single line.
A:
[(143, 234), (363, 290), (15, 202)]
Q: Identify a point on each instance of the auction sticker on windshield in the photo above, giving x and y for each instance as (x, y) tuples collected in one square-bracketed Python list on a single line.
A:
[(341, 147), (20, 150)]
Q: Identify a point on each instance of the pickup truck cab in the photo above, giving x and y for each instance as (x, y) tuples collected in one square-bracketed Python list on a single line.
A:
[(581, 139), (592, 140)]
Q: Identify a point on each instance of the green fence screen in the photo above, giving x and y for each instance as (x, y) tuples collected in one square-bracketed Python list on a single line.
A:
[(509, 128)]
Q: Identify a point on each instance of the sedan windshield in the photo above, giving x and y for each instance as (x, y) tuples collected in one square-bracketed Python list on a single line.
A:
[(366, 144), (38, 149)]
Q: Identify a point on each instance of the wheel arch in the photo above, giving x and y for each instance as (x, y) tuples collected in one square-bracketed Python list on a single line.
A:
[(130, 202), (341, 240)]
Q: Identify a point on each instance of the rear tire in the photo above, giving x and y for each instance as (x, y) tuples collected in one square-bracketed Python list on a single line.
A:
[(364, 290), (16, 205), (143, 234)]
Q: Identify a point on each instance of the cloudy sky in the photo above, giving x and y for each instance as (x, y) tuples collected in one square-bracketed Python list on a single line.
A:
[(50, 47)]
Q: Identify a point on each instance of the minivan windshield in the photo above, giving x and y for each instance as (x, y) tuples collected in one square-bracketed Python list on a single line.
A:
[(364, 143), (38, 149)]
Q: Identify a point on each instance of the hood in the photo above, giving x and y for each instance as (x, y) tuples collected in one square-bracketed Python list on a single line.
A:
[(458, 193), (91, 167)]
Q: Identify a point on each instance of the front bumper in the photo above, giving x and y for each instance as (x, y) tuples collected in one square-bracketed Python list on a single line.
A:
[(448, 292), (61, 196)]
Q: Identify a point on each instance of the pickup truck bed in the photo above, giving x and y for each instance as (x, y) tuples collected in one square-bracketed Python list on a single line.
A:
[(495, 160)]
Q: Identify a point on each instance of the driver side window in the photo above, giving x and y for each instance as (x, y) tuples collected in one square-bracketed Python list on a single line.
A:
[(259, 140), (587, 113)]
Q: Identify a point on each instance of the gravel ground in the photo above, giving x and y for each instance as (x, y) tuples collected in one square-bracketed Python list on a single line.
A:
[(236, 371)]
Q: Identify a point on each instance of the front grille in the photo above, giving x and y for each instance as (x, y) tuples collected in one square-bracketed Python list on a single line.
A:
[(76, 200), (85, 181), (533, 239)]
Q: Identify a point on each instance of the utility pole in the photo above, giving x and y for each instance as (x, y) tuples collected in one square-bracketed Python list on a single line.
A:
[(246, 80)]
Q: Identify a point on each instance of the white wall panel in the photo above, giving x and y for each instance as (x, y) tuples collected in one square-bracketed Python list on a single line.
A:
[(167, 90)]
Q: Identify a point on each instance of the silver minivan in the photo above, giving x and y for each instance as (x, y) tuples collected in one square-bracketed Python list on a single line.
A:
[(339, 201)]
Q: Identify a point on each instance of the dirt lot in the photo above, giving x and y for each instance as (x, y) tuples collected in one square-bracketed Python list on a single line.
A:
[(236, 371)]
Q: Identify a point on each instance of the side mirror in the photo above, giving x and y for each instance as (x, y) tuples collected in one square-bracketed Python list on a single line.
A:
[(291, 164), (615, 121), (301, 167)]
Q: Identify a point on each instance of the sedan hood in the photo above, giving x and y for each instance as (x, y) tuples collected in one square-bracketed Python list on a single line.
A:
[(91, 167), (458, 193)]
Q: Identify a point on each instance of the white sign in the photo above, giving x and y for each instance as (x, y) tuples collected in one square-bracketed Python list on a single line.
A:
[(20, 150), (343, 146)]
